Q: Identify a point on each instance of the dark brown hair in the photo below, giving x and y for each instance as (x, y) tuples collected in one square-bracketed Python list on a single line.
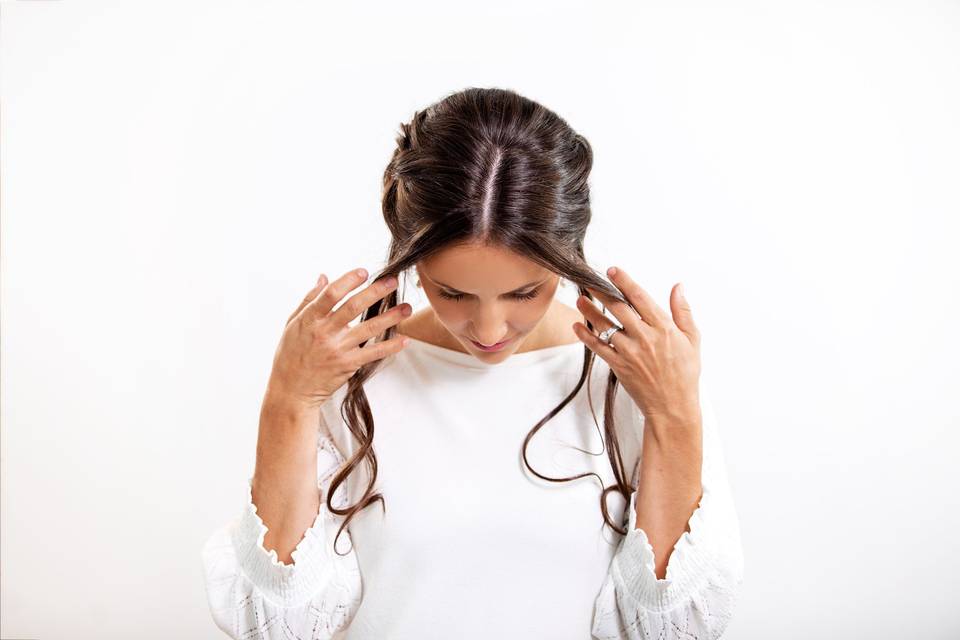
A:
[(485, 165)]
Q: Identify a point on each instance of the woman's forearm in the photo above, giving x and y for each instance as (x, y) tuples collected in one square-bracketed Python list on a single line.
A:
[(670, 486), (284, 487)]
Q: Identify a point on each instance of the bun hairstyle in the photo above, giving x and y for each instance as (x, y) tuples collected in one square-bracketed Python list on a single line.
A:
[(484, 165)]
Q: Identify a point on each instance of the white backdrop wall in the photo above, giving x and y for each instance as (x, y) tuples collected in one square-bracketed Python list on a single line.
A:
[(176, 175)]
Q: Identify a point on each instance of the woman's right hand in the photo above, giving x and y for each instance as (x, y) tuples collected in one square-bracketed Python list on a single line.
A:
[(318, 351)]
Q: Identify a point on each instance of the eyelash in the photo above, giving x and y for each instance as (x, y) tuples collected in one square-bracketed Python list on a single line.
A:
[(516, 296)]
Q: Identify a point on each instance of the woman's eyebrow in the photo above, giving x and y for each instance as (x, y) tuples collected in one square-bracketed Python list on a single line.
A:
[(517, 290)]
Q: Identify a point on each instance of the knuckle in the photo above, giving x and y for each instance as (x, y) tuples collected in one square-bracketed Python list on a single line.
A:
[(337, 356), (381, 350), (330, 296), (388, 317), (392, 345), (323, 345), (354, 307), (323, 338), (631, 349), (357, 304), (394, 316), (346, 364), (376, 326), (645, 342)]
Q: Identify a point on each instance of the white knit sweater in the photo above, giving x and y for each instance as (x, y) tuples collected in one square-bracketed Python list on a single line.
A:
[(473, 545)]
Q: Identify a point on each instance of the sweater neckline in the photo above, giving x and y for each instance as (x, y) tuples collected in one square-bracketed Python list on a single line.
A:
[(524, 358)]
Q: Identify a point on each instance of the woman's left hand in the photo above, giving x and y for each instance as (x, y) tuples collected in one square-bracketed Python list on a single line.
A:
[(655, 357)]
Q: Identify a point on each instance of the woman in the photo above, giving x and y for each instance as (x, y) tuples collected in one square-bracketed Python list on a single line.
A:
[(486, 198)]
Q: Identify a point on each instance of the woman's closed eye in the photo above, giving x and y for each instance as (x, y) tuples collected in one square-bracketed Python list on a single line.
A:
[(529, 295)]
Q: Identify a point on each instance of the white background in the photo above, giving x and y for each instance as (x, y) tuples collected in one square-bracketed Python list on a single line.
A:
[(176, 175)]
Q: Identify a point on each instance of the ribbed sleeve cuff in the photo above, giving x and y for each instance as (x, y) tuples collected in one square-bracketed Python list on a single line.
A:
[(691, 563), (286, 585)]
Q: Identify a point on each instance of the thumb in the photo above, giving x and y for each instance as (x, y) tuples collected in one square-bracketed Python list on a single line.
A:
[(682, 314)]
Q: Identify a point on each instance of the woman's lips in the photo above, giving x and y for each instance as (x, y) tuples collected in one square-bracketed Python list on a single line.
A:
[(495, 347)]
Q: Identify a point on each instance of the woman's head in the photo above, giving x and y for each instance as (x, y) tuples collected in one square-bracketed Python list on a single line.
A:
[(485, 193), (490, 168)]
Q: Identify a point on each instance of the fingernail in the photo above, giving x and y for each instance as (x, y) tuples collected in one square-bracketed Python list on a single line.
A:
[(362, 273), (680, 290), (321, 278), (612, 271), (390, 281)]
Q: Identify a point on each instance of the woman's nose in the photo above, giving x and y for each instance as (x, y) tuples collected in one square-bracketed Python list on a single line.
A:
[(489, 327)]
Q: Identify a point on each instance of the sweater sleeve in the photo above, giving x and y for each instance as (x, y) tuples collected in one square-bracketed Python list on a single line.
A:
[(252, 594), (697, 597)]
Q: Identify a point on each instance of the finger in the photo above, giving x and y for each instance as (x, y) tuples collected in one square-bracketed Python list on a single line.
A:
[(593, 342), (317, 288), (320, 306), (682, 314), (600, 321), (378, 324), (645, 305), (628, 317), (359, 356), (358, 302)]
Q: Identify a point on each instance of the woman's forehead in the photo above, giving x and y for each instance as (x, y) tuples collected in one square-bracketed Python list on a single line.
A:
[(482, 268)]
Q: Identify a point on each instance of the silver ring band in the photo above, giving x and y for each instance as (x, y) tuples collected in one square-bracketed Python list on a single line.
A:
[(607, 334)]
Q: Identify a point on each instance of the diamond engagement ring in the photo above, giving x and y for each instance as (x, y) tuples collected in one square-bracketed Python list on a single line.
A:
[(607, 334)]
